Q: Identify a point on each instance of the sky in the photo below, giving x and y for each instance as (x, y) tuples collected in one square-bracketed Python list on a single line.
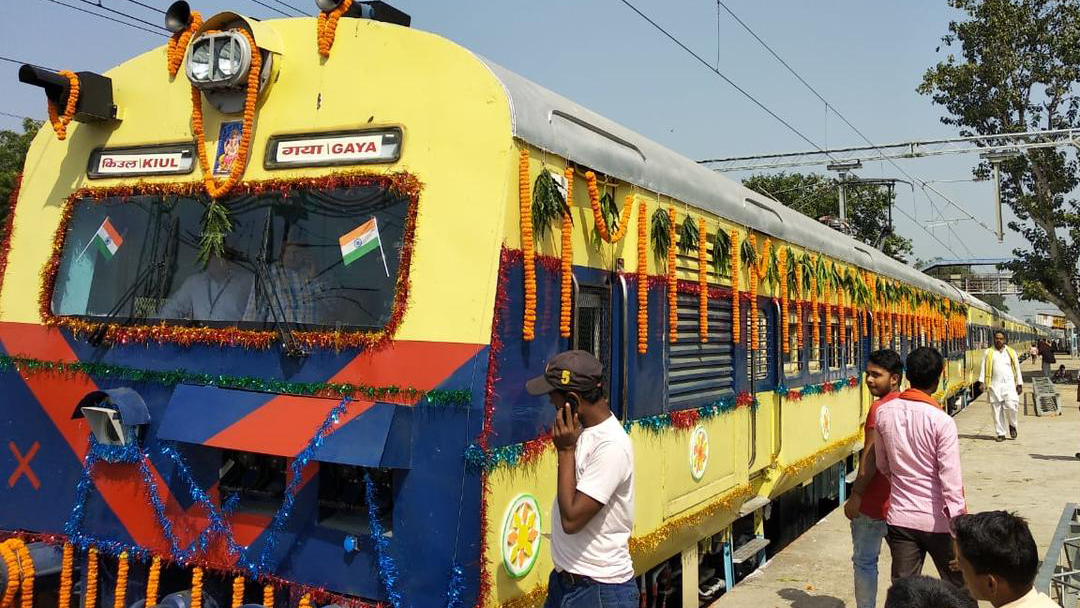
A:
[(865, 58)]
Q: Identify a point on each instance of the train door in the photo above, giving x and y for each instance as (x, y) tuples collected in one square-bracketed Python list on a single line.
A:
[(762, 372), (594, 325)]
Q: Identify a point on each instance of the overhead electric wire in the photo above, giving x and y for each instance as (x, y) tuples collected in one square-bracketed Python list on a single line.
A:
[(305, 14), (108, 18), (146, 6), (20, 116), (20, 62), (114, 11), (273, 8), (828, 105)]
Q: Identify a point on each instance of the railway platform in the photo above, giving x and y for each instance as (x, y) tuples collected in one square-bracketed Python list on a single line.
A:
[(1035, 475)]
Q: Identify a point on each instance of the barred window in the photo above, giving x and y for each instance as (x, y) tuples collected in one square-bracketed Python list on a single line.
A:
[(834, 340), (758, 361), (793, 359), (816, 354), (851, 346)]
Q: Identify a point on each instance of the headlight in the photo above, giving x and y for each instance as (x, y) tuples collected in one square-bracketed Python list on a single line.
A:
[(219, 61)]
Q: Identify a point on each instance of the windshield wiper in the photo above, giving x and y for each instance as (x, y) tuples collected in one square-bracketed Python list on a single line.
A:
[(267, 288)]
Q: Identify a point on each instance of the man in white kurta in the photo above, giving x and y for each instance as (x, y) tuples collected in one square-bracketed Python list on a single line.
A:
[(1000, 374)]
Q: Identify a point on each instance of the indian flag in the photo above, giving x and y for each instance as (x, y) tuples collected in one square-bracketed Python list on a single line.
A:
[(360, 241), (107, 239)]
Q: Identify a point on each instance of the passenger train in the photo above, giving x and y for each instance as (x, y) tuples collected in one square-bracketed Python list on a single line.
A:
[(213, 396)]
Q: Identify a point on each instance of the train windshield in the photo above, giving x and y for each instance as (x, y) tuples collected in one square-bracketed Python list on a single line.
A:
[(310, 258)]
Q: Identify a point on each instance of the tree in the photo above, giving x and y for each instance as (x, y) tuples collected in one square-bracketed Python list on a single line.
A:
[(13, 147), (817, 196), (1018, 64)]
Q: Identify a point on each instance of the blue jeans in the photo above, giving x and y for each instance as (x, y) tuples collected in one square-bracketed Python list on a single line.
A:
[(866, 536), (589, 595)]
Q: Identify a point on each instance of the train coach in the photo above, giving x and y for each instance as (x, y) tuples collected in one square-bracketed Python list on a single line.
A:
[(213, 396)]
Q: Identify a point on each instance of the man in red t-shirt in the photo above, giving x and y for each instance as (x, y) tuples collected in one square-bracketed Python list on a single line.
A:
[(870, 494)]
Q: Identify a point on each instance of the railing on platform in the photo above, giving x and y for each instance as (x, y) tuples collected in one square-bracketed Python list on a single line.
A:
[(1059, 575)]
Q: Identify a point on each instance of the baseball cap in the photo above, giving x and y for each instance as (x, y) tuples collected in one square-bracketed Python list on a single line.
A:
[(573, 370)]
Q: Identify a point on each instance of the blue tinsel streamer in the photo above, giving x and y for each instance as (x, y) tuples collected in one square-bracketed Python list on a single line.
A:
[(129, 453), (454, 597), (218, 526), (388, 572), (73, 526), (277, 524), (159, 507)]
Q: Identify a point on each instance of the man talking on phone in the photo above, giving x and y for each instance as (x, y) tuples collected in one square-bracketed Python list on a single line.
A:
[(593, 513)]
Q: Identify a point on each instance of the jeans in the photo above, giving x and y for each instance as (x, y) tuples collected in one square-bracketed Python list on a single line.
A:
[(591, 595), (866, 536)]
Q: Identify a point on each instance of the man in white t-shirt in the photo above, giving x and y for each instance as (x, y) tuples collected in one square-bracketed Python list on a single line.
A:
[(593, 513)]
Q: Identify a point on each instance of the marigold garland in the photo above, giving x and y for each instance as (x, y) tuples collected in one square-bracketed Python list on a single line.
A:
[(11, 563), (26, 572), (827, 306), (800, 328), (566, 254), (326, 26), (598, 215), (152, 582), (60, 122), (755, 277), (66, 565), (736, 323), (268, 595), (305, 601), (814, 318), (238, 591), (120, 595), (643, 279), (703, 284), (672, 281), (196, 587), (400, 184), (213, 188), (528, 331), (785, 327), (91, 583), (177, 48)]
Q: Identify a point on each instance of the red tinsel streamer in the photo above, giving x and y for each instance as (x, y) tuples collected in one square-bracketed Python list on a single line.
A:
[(401, 183), (685, 419), (7, 229)]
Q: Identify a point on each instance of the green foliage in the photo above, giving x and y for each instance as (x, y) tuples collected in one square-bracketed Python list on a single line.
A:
[(688, 235), (721, 257), (817, 196), (548, 205), (772, 269), (610, 212), (747, 254), (661, 235), (1015, 70), (13, 148), (215, 226)]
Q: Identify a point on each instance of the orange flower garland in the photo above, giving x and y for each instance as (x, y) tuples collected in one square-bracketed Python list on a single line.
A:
[(814, 318), (672, 281), (785, 327), (703, 283), (25, 570), (11, 563), (326, 26), (753, 307), (177, 47), (800, 327), (841, 305), (736, 325), (66, 565), (566, 254), (214, 189), (120, 595), (196, 587), (238, 592), (268, 596), (598, 215), (60, 122), (152, 582), (643, 280), (528, 331), (826, 309), (91, 584), (305, 602)]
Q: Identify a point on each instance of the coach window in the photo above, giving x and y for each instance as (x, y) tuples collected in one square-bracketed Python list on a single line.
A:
[(833, 328), (592, 322), (817, 350), (851, 344), (793, 359), (758, 360)]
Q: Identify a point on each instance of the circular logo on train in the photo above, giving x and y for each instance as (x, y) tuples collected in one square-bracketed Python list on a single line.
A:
[(699, 452), (826, 422), (521, 536)]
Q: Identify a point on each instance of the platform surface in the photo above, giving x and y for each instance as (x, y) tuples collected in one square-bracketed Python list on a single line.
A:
[(1035, 475)]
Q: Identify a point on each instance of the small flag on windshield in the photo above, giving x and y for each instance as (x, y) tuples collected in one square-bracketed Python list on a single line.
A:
[(360, 242), (107, 239)]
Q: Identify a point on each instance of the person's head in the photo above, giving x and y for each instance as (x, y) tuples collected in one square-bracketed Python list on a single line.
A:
[(884, 370), (574, 378), (1061, 368), (924, 592), (999, 339), (295, 256), (924, 367), (997, 555)]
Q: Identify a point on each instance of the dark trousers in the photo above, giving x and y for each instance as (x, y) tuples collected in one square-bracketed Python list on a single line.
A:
[(909, 548)]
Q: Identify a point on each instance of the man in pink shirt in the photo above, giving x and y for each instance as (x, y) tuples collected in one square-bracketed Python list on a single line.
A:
[(916, 447)]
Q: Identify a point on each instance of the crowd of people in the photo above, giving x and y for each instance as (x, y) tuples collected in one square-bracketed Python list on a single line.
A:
[(909, 491)]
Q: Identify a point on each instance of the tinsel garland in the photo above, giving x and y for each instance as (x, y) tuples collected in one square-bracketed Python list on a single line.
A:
[(643, 280), (814, 459), (400, 184), (7, 230), (388, 571), (533, 597), (703, 284), (480, 459), (120, 594), (730, 500), (528, 331), (566, 256), (28, 367), (672, 281), (796, 394), (455, 594)]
